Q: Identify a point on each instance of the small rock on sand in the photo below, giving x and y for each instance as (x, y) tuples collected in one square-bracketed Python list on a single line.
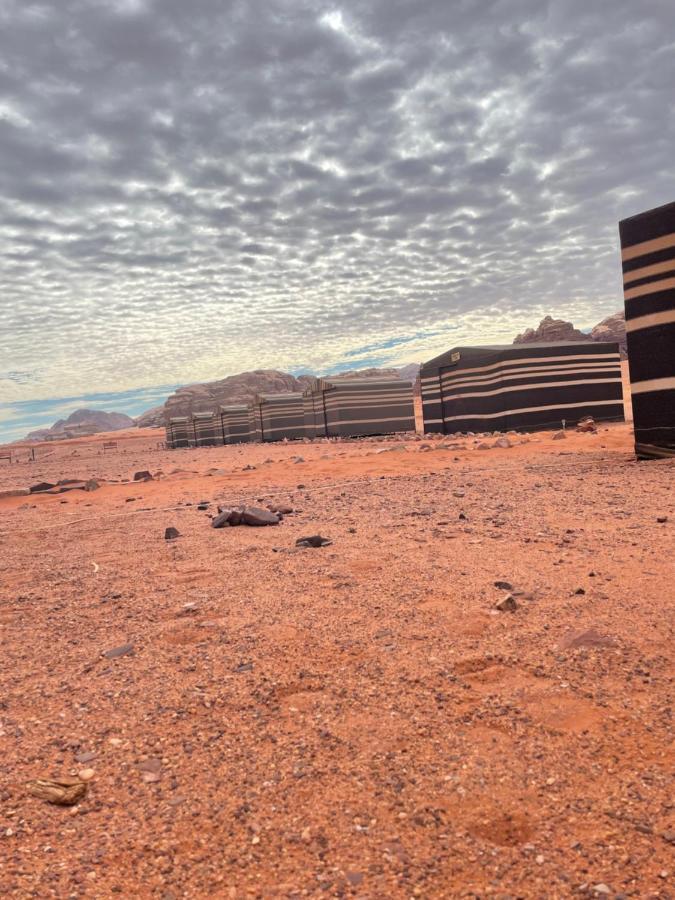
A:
[(171, 533)]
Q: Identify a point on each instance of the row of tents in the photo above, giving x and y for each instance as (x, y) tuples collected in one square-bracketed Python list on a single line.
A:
[(331, 407), (523, 387), (501, 388)]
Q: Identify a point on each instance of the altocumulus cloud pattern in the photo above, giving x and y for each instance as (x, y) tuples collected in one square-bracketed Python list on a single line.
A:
[(192, 189)]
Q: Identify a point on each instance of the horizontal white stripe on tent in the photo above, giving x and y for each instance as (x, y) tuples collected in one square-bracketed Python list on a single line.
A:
[(660, 243), (510, 375), (647, 271), (285, 428), (369, 421), (532, 409), (433, 421), (667, 317), (653, 287), (653, 384), (543, 360), (532, 387)]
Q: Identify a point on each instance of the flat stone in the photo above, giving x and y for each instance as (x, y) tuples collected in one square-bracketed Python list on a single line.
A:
[(255, 516), (144, 475), (40, 487), (503, 585), (122, 650), (171, 533), (85, 757), (314, 540)]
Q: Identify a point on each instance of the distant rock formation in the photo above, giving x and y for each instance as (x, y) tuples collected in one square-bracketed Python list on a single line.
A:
[(151, 418), (551, 330), (612, 329), (234, 389), (243, 388), (81, 422)]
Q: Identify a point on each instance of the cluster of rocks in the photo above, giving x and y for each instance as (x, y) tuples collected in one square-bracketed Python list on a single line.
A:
[(255, 516), (63, 486)]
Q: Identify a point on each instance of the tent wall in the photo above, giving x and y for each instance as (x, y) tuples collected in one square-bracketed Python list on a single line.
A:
[(358, 407), (312, 400), (177, 433), (235, 424), (206, 430), (525, 387), (648, 263), (281, 416)]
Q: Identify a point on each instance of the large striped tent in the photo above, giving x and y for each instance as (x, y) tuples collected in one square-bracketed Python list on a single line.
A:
[(235, 424), (279, 416), (522, 386), (177, 432), (648, 262), (352, 407), (206, 430)]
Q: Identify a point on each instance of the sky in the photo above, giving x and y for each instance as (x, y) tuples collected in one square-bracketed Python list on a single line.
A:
[(193, 189)]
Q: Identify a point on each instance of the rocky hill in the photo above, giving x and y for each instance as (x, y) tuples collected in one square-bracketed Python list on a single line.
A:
[(242, 388), (83, 421), (151, 418), (613, 328)]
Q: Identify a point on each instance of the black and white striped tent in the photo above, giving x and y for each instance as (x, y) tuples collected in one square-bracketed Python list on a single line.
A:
[(279, 416), (177, 432), (648, 262), (313, 413), (522, 386), (353, 407), (206, 430), (235, 424)]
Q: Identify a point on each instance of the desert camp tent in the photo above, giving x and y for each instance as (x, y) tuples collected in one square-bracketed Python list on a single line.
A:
[(523, 386), (235, 424), (279, 416), (312, 402), (177, 432), (206, 430), (648, 263), (352, 407)]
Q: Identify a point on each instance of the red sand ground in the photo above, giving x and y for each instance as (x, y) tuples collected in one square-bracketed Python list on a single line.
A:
[(356, 720)]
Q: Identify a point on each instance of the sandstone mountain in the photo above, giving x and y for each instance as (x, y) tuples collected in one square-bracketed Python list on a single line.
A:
[(613, 328), (151, 418), (243, 388), (551, 330), (83, 421)]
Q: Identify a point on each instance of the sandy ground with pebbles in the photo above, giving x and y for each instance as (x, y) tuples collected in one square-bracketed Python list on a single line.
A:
[(356, 720)]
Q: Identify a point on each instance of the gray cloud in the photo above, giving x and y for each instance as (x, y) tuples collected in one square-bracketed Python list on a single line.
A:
[(190, 189)]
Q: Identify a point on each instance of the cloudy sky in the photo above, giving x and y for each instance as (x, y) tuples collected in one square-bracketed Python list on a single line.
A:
[(192, 189)]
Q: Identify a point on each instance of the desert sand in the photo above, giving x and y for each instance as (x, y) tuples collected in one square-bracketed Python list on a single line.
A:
[(354, 720)]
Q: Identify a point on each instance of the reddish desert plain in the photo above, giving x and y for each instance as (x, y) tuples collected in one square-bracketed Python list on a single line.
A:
[(355, 720)]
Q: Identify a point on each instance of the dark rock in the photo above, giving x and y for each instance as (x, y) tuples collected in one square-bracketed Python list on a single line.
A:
[(143, 476), (255, 515), (314, 540), (661, 519), (222, 519), (41, 486), (202, 506), (244, 667), (507, 604), (171, 533), (503, 585), (587, 425), (122, 650), (559, 436), (91, 485)]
